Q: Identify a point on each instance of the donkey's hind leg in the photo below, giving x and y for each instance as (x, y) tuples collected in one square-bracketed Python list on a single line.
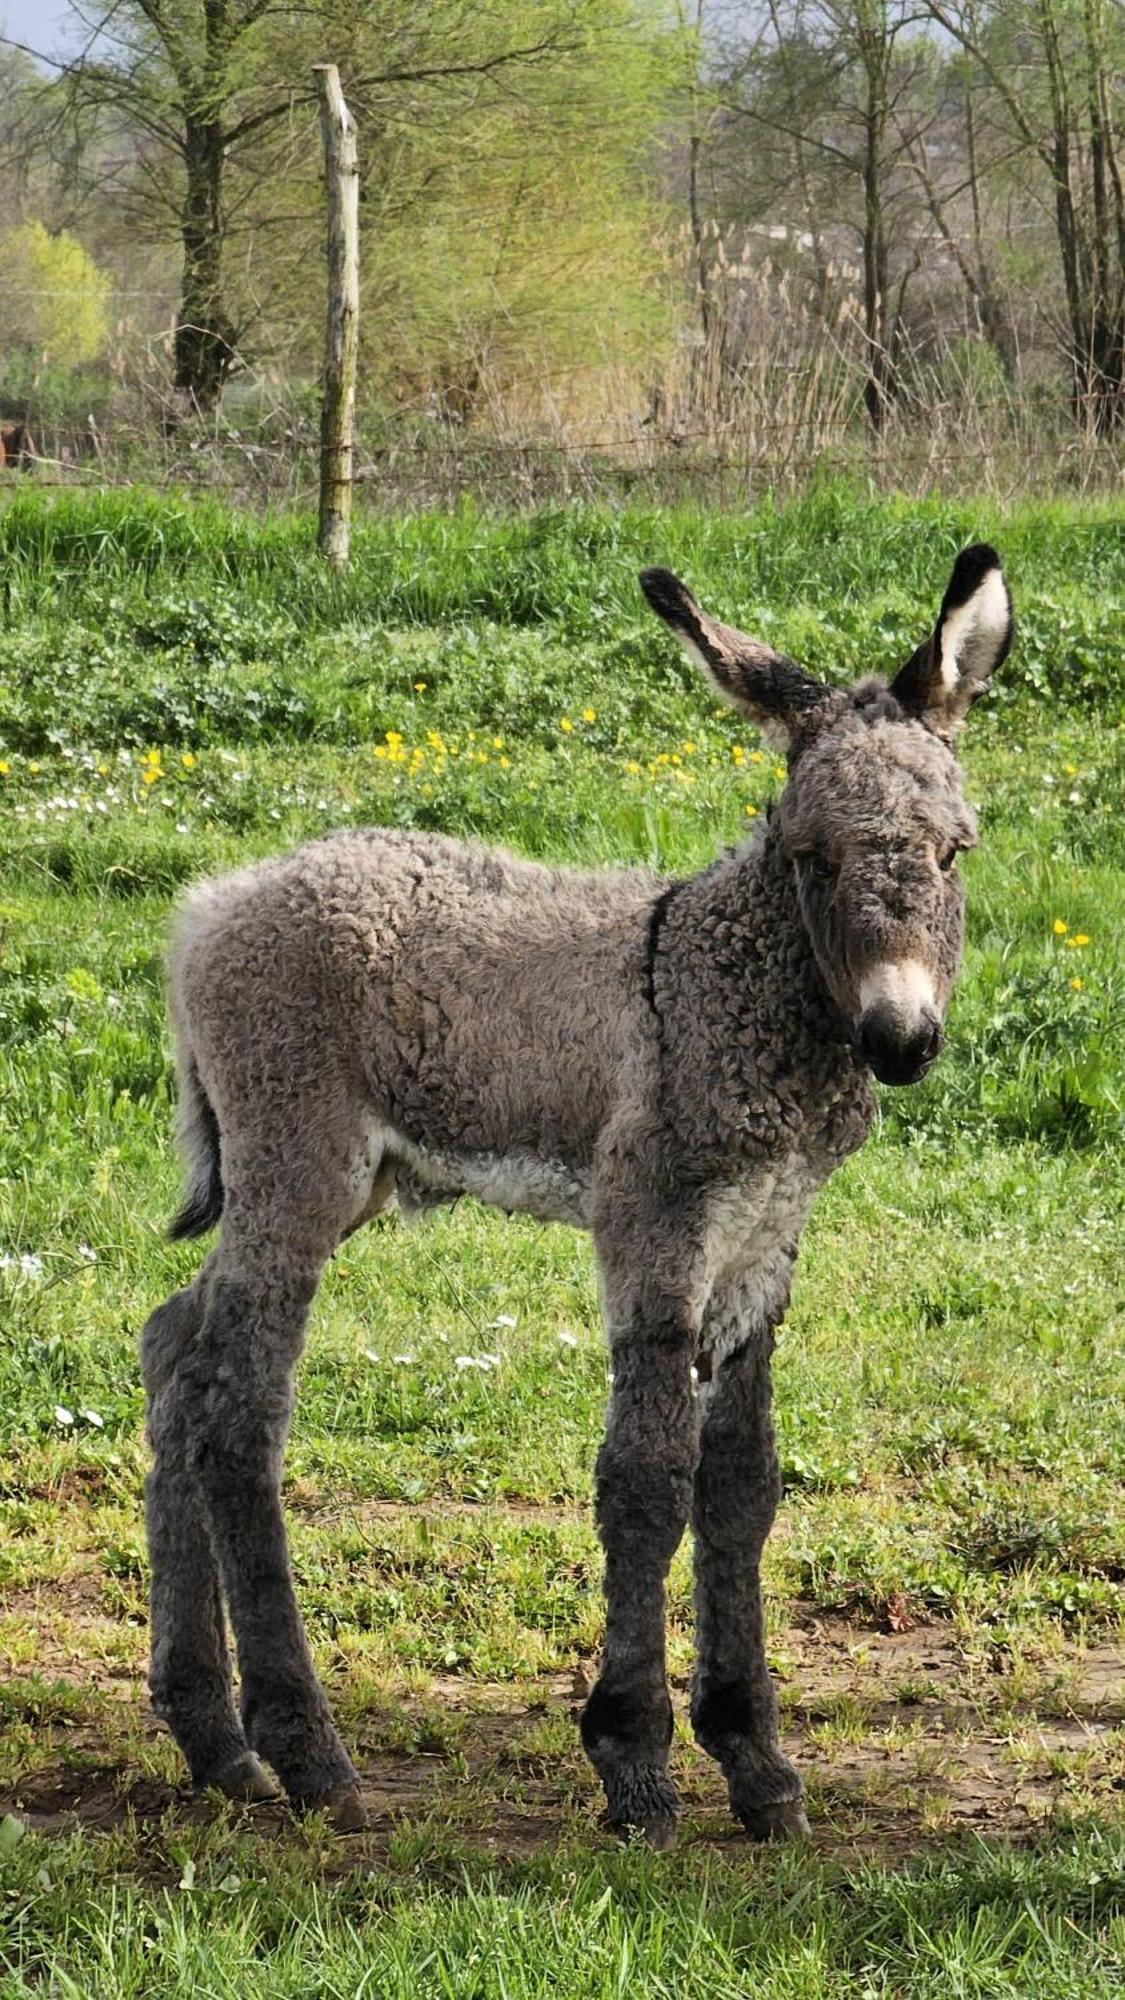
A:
[(190, 1677), (290, 1201)]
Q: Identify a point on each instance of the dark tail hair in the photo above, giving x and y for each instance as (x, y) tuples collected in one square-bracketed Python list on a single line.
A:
[(199, 1141)]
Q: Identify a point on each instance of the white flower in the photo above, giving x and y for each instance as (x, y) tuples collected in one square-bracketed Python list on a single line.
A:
[(504, 1319), (484, 1361), (567, 1338), (87, 1255), (403, 1360), (92, 1417), (27, 1264), (63, 1416)]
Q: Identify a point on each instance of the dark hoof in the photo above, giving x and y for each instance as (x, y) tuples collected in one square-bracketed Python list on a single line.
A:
[(642, 1802), (342, 1808), (658, 1832), (246, 1780), (780, 1822)]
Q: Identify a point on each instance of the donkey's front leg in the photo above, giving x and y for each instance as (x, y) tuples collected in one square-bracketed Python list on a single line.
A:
[(644, 1482), (737, 1489)]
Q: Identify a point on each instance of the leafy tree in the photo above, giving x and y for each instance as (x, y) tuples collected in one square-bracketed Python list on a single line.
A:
[(217, 99), (1055, 71), (54, 300)]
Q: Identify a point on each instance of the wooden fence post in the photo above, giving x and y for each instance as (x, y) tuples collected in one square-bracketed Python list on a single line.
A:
[(341, 343)]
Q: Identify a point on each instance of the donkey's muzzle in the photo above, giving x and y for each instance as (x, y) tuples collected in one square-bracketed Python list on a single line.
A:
[(897, 1053)]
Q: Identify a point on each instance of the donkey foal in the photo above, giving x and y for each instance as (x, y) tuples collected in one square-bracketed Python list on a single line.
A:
[(676, 1067)]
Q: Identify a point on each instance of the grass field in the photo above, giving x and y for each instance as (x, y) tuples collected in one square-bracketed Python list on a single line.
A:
[(181, 689)]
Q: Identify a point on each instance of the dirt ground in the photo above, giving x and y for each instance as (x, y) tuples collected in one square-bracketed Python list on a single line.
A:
[(905, 1737)]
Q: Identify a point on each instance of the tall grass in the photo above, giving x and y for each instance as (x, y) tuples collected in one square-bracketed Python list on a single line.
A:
[(840, 571)]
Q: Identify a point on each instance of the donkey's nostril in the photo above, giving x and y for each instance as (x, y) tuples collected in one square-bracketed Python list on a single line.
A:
[(929, 1039), (897, 1055)]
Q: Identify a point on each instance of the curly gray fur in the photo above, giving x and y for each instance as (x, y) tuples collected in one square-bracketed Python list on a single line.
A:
[(676, 1067)]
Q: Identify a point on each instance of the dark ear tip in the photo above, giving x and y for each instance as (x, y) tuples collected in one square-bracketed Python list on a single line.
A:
[(971, 568), (666, 594)]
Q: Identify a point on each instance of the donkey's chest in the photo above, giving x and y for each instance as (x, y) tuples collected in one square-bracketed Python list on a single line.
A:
[(751, 1223)]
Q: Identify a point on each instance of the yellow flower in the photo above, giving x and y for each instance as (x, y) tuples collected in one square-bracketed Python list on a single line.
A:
[(1071, 770), (757, 756), (633, 769), (419, 687), (188, 761), (1077, 985), (751, 812), (589, 715), (34, 767), (103, 770), (689, 749), (779, 770), (380, 750), (1060, 929), (505, 763), (1078, 940), (149, 776), (738, 753), (4, 768), (498, 742), (566, 725)]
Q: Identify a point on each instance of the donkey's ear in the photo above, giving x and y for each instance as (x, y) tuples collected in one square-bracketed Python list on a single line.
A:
[(776, 692), (972, 636)]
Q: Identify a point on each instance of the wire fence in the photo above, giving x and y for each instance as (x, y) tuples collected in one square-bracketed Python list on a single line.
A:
[(437, 465)]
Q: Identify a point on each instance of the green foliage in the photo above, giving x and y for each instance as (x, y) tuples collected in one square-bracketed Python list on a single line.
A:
[(842, 579), (54, 301)]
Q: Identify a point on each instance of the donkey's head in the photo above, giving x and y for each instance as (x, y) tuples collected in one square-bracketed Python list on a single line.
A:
[(873, 816)]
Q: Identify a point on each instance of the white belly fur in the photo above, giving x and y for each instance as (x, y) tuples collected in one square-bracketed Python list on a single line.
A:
[(520, 1183)]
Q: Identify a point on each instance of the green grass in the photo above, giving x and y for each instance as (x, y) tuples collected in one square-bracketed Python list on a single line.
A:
[(181, 688)]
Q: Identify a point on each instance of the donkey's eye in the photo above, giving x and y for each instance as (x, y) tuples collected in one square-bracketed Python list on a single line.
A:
[(946, 860), (820, 869)]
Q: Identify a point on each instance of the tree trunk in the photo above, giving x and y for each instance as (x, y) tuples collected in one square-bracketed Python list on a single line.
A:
[(879, 386), (204, 346), (341, 346)]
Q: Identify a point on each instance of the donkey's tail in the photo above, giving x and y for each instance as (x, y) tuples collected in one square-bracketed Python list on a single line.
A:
[(198, 1134)]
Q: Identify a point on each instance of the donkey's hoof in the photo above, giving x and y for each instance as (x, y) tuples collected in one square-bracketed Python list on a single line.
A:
[(246, 1779), (778, 1822), (342, 1808), (643, 1802), (659, 1834), (659, 1831)]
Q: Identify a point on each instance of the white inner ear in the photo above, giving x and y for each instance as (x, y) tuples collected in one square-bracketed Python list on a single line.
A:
[(770, 728), (696, 657), (972, 635)]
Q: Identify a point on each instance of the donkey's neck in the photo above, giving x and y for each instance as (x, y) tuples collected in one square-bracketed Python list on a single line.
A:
[(737, 989)]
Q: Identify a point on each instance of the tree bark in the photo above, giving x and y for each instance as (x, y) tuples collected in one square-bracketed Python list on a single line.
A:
[(341, 345), (205, 337), (879, 387)]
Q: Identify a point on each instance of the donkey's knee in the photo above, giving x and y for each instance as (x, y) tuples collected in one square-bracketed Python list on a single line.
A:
[(167, 1336)]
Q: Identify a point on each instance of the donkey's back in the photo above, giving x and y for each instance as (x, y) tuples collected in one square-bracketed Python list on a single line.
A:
[(451, 1017)]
